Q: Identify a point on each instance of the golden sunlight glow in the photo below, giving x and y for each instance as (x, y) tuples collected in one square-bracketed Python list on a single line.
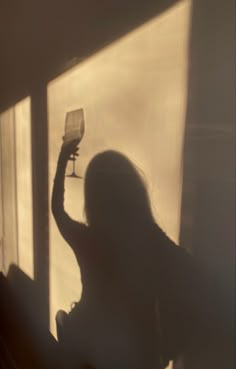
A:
[(24, 186), (16, 188), (134, 97), (8, 187)]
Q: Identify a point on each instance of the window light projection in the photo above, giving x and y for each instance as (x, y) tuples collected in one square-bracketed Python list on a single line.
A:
[(16, 185), (133, 93)]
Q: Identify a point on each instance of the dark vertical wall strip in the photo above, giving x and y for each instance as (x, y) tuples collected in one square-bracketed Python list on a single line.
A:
[(40, 197), (208, 205)]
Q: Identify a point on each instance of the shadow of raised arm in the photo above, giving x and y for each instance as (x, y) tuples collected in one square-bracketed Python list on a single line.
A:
[(71, 230)]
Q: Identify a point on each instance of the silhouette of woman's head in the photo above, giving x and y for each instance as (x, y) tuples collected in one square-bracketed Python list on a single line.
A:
[(115, 193)]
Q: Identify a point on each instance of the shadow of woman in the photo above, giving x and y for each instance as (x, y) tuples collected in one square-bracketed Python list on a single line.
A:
[(138, 307)]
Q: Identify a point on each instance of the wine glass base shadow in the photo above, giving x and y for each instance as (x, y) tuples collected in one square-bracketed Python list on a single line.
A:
[(74, 175)]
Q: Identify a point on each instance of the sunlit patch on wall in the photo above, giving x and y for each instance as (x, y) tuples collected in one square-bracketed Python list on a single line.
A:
[(8, 218), (134, 95), (16, 188), (24, 186)]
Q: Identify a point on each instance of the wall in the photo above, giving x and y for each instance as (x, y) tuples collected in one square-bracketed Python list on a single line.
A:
[(182, 76)]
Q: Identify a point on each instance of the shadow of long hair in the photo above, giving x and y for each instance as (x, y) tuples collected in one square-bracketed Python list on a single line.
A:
[(115, 193)]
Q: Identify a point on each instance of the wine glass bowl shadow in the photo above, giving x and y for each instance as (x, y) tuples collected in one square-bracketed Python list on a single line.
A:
[(74, 130)]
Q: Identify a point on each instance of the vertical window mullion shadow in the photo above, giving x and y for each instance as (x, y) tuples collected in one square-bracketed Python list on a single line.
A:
[(39, 146)]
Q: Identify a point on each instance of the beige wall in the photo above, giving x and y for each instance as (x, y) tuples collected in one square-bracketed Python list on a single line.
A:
[(138, 94)]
